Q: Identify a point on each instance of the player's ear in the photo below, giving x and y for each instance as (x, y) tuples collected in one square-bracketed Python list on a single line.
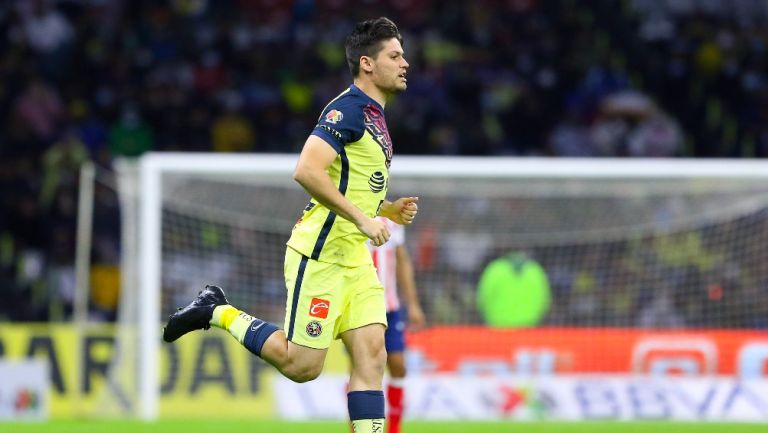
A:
[(366, 64)]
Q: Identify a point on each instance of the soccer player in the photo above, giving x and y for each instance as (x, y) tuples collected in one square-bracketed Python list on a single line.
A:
[(333, 289), (393, 264)]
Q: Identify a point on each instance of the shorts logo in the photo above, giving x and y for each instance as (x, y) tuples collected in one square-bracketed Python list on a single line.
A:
[(314, 328), (319, 308), (334, 116), (377, 182)]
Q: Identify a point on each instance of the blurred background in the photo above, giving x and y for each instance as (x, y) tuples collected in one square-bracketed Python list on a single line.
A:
[(98, 80)]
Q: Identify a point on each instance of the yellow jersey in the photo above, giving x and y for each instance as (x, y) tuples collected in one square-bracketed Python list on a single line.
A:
[(353, 123)]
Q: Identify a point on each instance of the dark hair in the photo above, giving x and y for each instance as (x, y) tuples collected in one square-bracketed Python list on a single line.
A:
[(366, 39)]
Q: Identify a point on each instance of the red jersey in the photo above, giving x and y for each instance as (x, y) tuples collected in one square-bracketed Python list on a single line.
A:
[(385, 260)]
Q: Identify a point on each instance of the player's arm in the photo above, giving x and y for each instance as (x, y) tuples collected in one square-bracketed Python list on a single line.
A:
[(312, 174), (407, 284), (402, 211)]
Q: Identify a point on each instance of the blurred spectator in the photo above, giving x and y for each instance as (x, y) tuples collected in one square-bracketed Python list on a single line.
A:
[(660, 313), (100, 79), (513, 291), (46, 28), (49, 34), (630, 124), (105, 291), (232, 132), (571, 137), (40, 109), (61, 163), (130, 136)]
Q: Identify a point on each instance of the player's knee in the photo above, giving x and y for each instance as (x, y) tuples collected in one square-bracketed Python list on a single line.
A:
[(380, 358), (397, 371), (396, 364), (302, 373), (304, 376)]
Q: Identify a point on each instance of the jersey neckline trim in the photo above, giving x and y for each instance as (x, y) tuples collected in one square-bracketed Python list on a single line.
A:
[(355, 89)]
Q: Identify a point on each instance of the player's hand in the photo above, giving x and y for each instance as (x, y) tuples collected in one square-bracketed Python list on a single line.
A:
[(402, 211), (416, 318), (376, 231)]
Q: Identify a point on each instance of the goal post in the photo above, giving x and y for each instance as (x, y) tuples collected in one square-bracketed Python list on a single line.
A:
[(227, 216), (152, 168)]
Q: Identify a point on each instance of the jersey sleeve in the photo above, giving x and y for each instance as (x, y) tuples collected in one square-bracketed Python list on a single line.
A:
[(340, 123)]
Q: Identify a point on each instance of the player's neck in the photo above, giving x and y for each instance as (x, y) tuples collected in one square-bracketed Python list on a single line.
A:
[(372, 91)]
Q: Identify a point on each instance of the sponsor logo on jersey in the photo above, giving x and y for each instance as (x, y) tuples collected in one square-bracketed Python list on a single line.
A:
[(377, 182), (334, 116), (336, 134), (314, 328), (319, 308)]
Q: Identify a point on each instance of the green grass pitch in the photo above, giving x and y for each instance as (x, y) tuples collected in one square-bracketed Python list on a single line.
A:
[(337, 427)]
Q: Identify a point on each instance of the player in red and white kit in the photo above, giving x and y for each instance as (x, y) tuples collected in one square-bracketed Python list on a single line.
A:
[(393, 264)]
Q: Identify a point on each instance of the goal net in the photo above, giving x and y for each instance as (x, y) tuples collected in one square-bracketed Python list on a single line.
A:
[(625, 244)]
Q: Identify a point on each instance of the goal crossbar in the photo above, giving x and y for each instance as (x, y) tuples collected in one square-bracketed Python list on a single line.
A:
[(153, 166)]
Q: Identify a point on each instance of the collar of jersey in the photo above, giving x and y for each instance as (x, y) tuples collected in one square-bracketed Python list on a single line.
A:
[(355, 89)]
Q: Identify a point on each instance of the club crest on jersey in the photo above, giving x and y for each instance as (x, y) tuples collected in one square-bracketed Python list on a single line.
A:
[(314, 328), (319, 308), (377, 182), (334, 116)]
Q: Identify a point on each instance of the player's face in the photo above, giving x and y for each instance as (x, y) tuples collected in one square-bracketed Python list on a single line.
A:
[(390, 67)]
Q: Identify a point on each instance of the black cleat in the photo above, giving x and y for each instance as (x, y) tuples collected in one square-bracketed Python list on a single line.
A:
[(196, 315)]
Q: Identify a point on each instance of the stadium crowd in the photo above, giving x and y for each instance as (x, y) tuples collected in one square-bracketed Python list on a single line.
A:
[(99, 79)]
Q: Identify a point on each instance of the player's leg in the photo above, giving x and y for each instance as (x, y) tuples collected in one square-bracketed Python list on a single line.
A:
[(361, 327), (299, 351), (395, 344), (395, 391), (313, 307), (298, 363), (365, 398), (262, 338)]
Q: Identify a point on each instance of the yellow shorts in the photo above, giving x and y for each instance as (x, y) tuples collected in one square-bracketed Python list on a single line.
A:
[(326, 299)]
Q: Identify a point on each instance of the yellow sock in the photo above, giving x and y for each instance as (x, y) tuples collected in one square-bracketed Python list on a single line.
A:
[(223, 315), (368, 426), (232, 320)]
